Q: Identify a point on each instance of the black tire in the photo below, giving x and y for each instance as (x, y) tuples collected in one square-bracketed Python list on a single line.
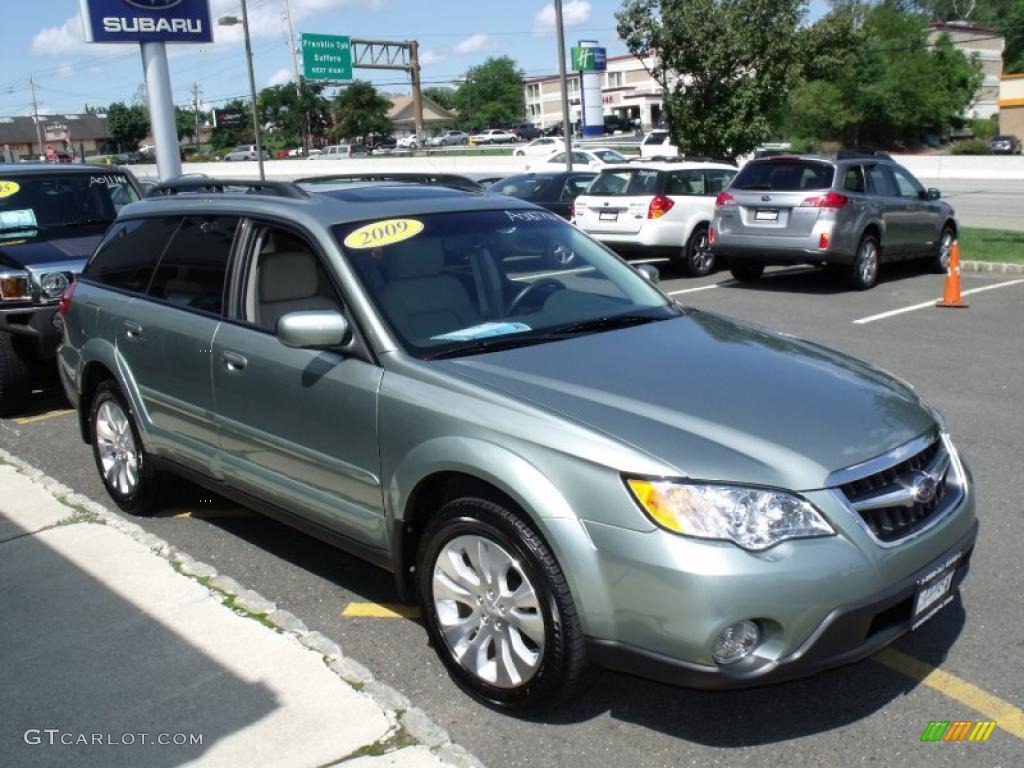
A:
[(939, 261), (15, 377), (697, 257), (863, 273), (562, 664), (142, 500), (747, 271)]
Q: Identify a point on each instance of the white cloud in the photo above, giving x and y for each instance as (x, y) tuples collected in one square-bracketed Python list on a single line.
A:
[(282, 76), (67, 39), (473, 43), (574, 13), (65, 70), (429, 57)]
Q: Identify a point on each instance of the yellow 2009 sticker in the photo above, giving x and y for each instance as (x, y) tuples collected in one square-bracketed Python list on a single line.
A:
[(385, 232), (8, 188)]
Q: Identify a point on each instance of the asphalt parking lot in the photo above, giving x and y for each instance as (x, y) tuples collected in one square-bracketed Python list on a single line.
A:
[(967, 663)]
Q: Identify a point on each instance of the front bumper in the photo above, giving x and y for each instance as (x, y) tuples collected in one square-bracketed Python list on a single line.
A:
[(35, 323), (848, 633)]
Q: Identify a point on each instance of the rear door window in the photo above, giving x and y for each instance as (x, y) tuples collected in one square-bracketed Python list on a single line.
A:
[(127, 256), (193, 269), (785, 175), (853, 179), (685, 184), (575, 186)]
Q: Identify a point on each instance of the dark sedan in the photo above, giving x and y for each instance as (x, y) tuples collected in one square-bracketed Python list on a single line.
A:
[(554, 191)]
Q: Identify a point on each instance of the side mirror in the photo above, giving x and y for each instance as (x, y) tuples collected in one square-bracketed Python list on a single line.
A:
[(312, 330), (649, 272), (933, 193)]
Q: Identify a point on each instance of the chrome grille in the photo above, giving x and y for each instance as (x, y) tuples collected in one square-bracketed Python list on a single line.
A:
[(906, 497)]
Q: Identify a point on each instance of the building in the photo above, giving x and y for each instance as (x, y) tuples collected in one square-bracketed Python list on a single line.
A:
[(80, 135), (1011, 105), (403, 116), (987, 46), (628, 91)]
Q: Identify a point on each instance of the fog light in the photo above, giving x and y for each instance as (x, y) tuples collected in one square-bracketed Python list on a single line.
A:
[(735, 642)]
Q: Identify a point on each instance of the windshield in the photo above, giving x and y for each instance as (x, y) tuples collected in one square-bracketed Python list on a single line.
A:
[(39, 201), (610, 156), (519, 186), (475, 281), (784, 175)]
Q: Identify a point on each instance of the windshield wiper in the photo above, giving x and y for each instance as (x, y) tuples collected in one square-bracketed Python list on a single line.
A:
[(493, 344), (607, 323)]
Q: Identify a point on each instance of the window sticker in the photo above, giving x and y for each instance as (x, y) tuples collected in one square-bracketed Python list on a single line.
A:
[(532, 216), (21, 219), (8, 188), (386, 232), (482, 331), (108, 180)]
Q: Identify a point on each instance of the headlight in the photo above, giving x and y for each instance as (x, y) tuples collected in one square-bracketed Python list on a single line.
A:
[(14, 286), (753, 518), (54, 284)]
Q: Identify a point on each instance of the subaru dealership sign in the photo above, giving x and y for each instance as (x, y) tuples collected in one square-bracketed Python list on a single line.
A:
[(147, 21)]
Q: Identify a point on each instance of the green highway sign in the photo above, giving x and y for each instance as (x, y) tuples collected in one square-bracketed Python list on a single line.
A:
[(327, 57)]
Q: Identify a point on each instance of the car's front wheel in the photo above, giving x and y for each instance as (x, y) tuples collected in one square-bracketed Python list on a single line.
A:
[(15, 377), (697, 257), (863, 273), (124, 466), (746, 271), (498, 608)]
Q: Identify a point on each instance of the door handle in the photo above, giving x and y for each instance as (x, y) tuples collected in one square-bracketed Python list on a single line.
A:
[(234, 363), (132, 330)]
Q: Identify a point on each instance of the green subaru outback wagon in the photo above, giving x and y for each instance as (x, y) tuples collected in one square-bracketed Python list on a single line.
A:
[(559, 463)]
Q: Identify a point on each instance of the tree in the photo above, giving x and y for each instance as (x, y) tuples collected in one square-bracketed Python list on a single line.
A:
[(443, 97), (359, 111), (723, 66), (885, 84), (184, 122), (284, 109), (490, 94), (1013, 28), (127, 125)]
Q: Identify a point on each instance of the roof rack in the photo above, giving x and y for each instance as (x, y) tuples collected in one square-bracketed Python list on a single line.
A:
[(440, 179), (851, 154), (205, 185)]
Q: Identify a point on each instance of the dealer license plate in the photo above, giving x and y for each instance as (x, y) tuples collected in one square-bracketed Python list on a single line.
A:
[(933, 593), (766, 214), (608, 215)]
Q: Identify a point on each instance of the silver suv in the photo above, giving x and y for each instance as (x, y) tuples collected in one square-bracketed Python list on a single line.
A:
[(855, 210), (560, 464)]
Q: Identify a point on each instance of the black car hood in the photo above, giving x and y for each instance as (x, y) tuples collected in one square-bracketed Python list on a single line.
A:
[(48, 246)]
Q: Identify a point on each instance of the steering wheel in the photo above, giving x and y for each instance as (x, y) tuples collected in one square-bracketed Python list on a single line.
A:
[(545, 282)]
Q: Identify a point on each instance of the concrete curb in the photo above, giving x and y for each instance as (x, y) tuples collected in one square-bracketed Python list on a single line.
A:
[(394, 704), (992, 266)]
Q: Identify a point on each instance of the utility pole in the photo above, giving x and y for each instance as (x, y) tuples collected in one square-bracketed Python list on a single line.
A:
[(566, 122), (35, 114), (195, 109), (298, 79), (417, 95)]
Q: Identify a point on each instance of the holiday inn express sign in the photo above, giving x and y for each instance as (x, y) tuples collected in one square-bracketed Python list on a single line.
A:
[(147, 21)]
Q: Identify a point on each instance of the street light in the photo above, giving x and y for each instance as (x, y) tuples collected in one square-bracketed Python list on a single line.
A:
[(230, 21)]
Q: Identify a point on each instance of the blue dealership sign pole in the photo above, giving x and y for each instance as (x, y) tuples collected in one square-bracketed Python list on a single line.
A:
[(152, 24)]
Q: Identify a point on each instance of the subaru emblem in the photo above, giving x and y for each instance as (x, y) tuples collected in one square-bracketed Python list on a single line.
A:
[(766, 198), (923, 487)]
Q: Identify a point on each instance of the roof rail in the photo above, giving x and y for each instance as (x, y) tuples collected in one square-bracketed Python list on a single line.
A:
[(440, 179), (852, 154), (203, 184)]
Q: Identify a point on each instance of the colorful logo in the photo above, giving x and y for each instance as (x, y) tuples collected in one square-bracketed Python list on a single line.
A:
[(958, 730)]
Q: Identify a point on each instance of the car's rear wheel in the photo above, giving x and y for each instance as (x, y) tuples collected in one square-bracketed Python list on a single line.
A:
[(863, 273), (939, 263), (746, 271), (15, 377), (498, 608), (124, 466), (698, 259)]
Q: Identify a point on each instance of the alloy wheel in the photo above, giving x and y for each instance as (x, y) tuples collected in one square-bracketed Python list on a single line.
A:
[(867, 262), (115, 444), (488, 611)]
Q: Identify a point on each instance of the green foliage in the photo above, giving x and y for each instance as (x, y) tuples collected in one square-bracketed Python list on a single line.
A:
[(284, 109), (359, 110), (724, 66), (127, 125), (971, 147), (184, 123), (443, 97), (226, 136), (883, 84), (1013, 27), (984, 129), (490, 94)]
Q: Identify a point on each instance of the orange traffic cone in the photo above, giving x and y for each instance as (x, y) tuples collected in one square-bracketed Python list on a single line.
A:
[(952, 295)]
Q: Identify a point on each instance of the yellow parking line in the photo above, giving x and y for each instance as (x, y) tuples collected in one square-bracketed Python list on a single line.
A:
[(1007, 716), (381, 611), (44, 416)]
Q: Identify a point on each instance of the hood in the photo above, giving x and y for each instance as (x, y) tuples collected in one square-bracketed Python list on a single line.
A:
[(18, 250), (715, 398)]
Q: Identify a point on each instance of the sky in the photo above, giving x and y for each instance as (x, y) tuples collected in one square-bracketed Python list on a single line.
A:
[(45, 40)]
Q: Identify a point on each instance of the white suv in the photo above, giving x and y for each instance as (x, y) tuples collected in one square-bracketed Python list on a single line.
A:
[(656, 208)]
